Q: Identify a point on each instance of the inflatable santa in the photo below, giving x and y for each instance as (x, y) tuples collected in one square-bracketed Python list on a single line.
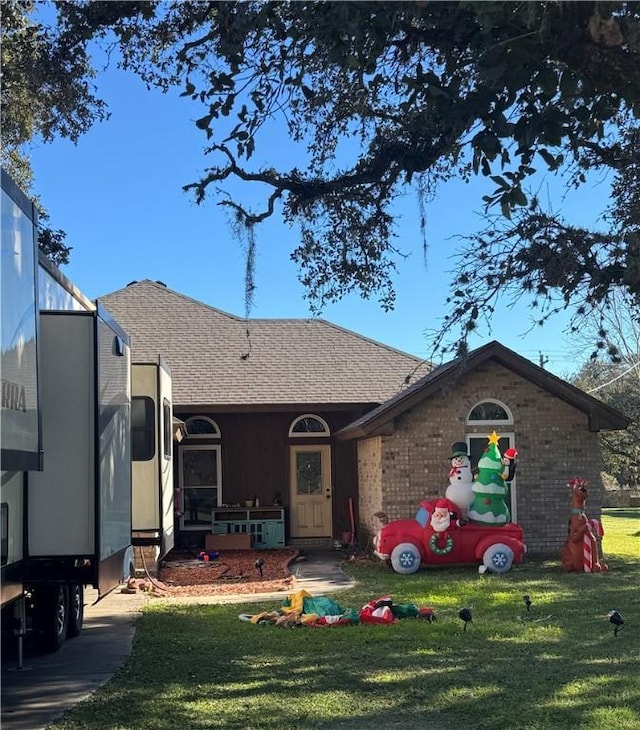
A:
[(441, 542), (441, 518)]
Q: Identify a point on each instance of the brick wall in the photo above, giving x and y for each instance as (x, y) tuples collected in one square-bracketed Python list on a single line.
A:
[(552, 438), (150, 553), (370, 474)]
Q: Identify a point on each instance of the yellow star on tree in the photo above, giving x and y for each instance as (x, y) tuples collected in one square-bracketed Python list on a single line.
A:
[(493, 438)]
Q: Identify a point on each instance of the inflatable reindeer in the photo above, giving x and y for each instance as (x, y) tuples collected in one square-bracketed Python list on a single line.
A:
[(580, 550)]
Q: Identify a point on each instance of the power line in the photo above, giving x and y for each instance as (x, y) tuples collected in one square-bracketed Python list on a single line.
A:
[(613, 380)]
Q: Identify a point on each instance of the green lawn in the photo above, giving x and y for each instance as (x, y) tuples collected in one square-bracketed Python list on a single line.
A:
[(200, 668)]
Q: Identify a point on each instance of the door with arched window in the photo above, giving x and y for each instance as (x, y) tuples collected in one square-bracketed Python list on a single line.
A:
[(311, 495), (487, 416)]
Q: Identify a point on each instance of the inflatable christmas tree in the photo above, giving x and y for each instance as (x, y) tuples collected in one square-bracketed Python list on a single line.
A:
[(489, 488)]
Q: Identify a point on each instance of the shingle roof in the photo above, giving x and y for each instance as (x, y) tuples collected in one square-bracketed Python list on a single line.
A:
[(219, 359), (442, 378)]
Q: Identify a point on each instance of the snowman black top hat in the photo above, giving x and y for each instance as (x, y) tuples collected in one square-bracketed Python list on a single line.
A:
[(459, 449)]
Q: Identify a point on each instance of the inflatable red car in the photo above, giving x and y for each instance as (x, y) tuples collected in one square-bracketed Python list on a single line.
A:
[(408, 544)]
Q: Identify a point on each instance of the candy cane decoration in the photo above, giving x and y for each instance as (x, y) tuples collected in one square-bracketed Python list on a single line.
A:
[(597, 528), (587, 552), (594, 528)]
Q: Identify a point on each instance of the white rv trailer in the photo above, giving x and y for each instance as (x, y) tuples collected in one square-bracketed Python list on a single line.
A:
[(152, 431), (20, 426), (66, 493)]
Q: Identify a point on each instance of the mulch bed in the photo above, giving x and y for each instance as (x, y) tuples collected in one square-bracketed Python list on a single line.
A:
[(234, 571)]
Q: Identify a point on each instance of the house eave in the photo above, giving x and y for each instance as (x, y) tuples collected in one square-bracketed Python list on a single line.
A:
[(349, 434), (196, 408), (601, 417)]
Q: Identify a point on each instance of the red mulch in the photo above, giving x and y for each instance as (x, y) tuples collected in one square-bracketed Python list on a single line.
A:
[(234, 571)]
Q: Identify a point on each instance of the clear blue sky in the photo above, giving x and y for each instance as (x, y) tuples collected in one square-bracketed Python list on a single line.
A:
[(118, 195)]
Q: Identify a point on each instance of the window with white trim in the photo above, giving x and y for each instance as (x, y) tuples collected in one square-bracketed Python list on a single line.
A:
[(200, 470), (492, 415), (309, 425), (202, 427), (489, 411), (200, 473)]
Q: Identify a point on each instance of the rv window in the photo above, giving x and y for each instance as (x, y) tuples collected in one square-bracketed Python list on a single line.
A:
[(143, 443), (4, 541), (168, 422)]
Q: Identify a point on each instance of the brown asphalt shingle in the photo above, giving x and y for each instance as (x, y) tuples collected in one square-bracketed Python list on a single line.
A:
[(444, 377), (223, 360)]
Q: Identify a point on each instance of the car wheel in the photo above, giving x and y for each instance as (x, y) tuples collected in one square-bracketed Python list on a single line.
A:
[(76, 610), (498, 558), (405, 558)]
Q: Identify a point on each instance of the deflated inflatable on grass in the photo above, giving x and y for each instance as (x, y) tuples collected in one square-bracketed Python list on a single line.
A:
[(303, 609)]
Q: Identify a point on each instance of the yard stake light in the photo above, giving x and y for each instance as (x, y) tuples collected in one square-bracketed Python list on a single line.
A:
[(617, 620), (258, 564), (527, 601), (466, 615)]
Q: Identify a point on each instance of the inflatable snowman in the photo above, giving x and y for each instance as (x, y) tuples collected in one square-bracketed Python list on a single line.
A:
[(459, 490)]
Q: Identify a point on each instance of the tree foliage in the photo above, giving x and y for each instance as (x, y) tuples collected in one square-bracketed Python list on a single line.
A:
[(46, 81), (618, 385), (385, 96), (46, 93), (52, 243), (616, 330)]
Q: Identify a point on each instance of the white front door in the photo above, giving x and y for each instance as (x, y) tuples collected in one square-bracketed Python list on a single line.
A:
[(311, 493)]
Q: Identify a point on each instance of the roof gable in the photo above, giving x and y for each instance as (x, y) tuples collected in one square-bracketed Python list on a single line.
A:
[(219, 359), (380, 419)]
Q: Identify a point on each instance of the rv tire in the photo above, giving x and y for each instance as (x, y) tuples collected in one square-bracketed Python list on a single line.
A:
[(76, 610), (51, 616)]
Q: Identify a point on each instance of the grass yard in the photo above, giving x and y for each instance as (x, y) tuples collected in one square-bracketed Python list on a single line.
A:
[(200, 668)]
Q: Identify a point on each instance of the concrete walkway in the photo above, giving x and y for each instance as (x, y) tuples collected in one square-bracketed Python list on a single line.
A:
[(50, 684)]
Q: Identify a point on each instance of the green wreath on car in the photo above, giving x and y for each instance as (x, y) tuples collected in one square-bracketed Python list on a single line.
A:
[(441, 550)]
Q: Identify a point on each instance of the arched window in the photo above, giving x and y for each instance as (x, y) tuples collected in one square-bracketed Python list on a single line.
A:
[(202, 427), (489, 411), (309, 425)]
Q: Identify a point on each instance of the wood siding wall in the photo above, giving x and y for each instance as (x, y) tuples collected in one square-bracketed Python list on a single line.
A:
[(255, 461)]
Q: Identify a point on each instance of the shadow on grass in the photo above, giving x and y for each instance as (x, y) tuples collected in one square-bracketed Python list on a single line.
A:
[(628, 513), (559, 665)]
